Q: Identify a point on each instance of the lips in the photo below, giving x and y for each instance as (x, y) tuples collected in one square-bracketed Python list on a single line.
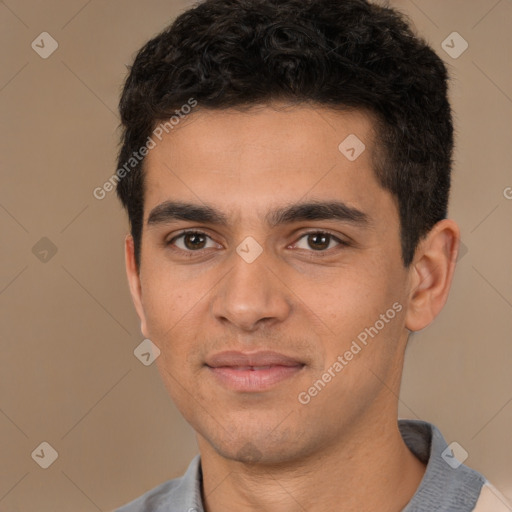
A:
[(252, 372), (253, 368), (248, 359)]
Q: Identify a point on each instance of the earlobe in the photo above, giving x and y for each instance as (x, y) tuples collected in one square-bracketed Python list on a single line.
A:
[(431, 274), (134, 282)]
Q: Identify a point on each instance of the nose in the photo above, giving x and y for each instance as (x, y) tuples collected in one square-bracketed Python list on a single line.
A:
[(252, 295)]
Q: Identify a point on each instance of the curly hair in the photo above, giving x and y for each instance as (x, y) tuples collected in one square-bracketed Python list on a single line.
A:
[(336, 53)]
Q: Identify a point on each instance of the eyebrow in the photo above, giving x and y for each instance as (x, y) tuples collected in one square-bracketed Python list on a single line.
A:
[(170, 211)]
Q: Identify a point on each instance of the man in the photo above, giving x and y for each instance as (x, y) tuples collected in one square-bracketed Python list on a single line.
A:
[(285, 166)]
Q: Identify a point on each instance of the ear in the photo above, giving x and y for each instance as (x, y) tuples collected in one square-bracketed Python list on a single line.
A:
[(431, 274), (134, 282)]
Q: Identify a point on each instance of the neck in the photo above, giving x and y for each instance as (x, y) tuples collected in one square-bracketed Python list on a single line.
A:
[(371, 469)]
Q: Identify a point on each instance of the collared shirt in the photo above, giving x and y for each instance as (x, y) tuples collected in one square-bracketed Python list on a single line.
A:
[(446, 486)]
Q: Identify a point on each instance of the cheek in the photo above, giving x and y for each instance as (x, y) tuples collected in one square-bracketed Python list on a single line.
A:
[(164, 305), (350, 300), (364, 315), (176, 313), (172, 292)]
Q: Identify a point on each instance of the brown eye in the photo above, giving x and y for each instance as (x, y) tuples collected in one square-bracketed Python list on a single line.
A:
[(319, 241), (190, 241), (194, 241)]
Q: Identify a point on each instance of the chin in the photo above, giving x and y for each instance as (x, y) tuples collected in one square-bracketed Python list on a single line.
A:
[(259, 446), (252, 453)]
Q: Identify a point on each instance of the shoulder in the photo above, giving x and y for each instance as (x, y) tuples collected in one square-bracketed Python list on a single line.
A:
[(154, 499), (448, 484), (491, 500), (180, 494)]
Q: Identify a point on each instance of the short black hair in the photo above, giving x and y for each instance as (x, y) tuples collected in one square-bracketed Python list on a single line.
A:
[(343, 54)]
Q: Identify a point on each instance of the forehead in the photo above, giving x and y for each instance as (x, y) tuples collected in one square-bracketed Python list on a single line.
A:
[(243, 162)]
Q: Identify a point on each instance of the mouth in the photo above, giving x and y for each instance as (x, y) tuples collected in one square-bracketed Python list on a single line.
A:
[(252, 372)]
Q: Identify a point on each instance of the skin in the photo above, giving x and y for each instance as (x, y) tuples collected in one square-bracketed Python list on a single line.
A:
[(266, 450)]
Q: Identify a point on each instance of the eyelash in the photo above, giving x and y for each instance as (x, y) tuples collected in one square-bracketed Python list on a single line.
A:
[(320, 253)]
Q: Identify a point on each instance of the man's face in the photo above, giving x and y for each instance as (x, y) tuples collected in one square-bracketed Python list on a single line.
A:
[(244, 335)]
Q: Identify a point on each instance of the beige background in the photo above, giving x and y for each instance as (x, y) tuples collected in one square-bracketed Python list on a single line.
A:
[(68, 375)]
